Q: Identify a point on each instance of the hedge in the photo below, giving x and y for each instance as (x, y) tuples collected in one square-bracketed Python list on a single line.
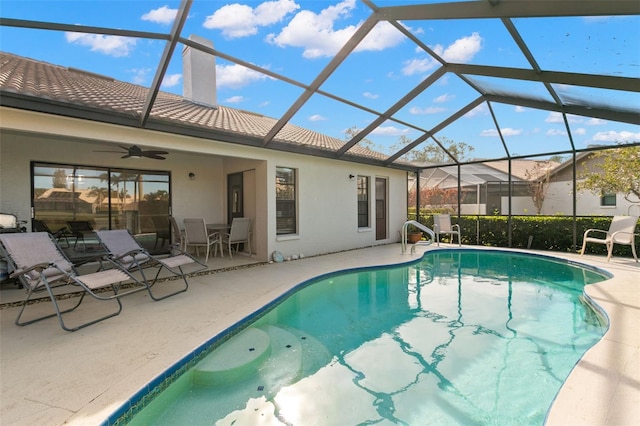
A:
[(551, 233)]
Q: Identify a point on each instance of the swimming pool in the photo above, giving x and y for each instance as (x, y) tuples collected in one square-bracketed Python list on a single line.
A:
[(462, 336)]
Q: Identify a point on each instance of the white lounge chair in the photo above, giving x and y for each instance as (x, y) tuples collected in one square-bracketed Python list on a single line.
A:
[(621, 231), (130, 255), (40, 265), (442, 225), (239, 233)]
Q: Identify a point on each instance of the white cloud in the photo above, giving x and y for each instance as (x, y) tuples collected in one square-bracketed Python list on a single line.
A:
[(425, 111), (507, 131), (519, 108), (109, 45), (239, 20), (234, 99), (370, 95), (236, 76), (580, 131), (316, 34), (390, 131), (317, 117), (596, 122), (162, 15), (140, 75), (461, 50), (554, 117), (444, 98), (479, 110), (613, 136), (171, 80), (556, 132), (489, 133), (418, 66), (383, 35)]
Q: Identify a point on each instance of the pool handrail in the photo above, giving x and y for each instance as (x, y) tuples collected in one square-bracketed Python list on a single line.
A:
[(423, 228)]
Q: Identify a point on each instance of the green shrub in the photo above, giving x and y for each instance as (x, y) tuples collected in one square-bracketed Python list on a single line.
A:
[(550, 233)]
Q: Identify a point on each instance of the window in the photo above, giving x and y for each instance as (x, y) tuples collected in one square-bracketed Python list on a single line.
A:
[(109, 198), (363, 202), (286, 221), (608, 200)]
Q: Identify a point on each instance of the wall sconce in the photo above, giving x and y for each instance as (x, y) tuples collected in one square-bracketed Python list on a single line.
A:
[(351, 177), (192, 176)]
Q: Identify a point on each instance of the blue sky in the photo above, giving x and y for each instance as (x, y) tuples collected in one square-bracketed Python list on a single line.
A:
[(298, 38)]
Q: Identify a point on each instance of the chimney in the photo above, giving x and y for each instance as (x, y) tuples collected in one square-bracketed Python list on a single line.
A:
[(199, 73)]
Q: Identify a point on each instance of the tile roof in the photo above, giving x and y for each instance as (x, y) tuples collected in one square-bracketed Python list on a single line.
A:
[(81, 89)]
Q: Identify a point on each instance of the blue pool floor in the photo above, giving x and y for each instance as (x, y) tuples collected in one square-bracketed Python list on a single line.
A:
[(51, 377)]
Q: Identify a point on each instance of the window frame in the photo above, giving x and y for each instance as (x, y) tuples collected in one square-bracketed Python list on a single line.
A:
[(363, 209), (608, 200), (288, 216), (107, 214)]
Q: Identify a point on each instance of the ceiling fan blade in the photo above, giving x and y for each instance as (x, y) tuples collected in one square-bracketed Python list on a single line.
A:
[(149, 154), (95, 150), (155, 152)]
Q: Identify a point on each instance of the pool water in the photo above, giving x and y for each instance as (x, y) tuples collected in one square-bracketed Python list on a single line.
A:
[(460, 337)]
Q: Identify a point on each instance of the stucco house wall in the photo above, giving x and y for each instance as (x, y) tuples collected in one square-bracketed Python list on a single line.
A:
[(327, 197)]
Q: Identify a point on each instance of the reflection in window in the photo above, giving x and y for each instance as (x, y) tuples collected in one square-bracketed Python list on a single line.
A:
[(286, 222), (108, 198)]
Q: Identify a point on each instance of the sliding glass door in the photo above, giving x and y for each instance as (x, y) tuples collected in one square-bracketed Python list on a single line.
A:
[(109, 198)]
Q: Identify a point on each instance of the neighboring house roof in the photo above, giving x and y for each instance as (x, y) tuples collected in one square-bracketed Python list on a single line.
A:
[(86, 91), (524, 169), (492, 171)]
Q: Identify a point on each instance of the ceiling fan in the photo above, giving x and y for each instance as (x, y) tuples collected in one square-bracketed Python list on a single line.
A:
[(134, 151)]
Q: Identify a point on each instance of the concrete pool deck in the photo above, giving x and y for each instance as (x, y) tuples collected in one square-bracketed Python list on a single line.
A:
[(52, 377)]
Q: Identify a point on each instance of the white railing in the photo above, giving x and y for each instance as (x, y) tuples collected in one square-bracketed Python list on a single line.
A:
[(421, 227)]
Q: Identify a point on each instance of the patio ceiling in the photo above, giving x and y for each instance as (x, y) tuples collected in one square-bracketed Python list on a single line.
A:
[(527, 77)]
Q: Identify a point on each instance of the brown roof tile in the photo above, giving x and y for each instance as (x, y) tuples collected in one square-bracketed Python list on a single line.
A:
[(84, 89)]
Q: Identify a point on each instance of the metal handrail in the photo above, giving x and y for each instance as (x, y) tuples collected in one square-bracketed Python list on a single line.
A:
[(421, 227)]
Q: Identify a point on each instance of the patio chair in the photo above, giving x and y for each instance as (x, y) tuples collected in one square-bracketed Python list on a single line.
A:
[(621, 231), (79, 230), (178, 234), (196, 235), (442, 225), (40, 265), (239, 233), (61, 234), (130, 255), (163, 230)]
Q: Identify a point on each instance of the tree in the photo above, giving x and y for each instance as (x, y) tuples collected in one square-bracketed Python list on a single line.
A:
[(538, 180), (431, 152), (60, 179), (616, 171)]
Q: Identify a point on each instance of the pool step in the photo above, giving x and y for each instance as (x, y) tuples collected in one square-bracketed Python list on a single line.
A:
[(235, 359), (267, 356)]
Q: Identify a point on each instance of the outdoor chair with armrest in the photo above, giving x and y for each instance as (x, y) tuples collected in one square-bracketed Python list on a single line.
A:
[(196, 235), (239, 233), (80, 229), (178, 234), (63, 233), (442, 225), (40, 265), (621, 231), (130, 255)]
